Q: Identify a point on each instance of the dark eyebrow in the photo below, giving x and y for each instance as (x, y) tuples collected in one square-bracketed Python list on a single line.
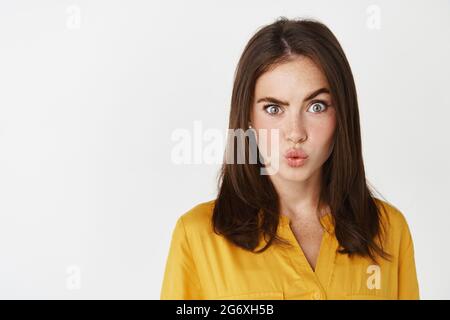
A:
[(316, 93), (284, 103)]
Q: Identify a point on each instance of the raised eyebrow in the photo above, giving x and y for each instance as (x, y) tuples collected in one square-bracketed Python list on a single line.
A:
[(273, 100), (316, 93), (285, 103)]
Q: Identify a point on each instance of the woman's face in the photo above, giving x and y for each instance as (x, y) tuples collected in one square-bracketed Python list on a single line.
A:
[(294, 98)]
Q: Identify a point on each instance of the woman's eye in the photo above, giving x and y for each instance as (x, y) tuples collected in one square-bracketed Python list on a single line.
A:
[(318, 106), (272, 109)]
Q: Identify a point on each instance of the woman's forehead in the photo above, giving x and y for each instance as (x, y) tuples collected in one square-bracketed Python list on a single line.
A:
[(296, 77)]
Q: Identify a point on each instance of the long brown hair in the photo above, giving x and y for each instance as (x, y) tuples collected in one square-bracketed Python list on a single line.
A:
[(247, 205)]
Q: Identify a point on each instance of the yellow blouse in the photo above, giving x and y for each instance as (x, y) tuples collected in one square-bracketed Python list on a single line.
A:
[(204, 265)]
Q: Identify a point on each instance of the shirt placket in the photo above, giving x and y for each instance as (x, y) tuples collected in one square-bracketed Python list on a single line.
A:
[(309, 284)]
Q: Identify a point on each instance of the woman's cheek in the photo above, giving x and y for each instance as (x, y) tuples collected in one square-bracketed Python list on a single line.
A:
[(325, 138)]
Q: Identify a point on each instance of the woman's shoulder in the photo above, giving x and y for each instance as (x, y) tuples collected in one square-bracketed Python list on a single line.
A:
[(390, 213), (198, 217), (393, 220)]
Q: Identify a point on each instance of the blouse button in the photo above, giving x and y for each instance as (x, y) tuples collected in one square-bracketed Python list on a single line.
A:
[(316, 296)]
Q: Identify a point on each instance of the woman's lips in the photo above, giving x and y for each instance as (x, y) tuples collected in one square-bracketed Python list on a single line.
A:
[(296, 162), (295, 157), (296, 153)]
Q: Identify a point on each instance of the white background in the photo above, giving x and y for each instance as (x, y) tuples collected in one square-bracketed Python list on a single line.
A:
[(91, 92)]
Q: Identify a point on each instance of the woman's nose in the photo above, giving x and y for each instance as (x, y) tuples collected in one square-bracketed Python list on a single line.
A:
[(296, 131)]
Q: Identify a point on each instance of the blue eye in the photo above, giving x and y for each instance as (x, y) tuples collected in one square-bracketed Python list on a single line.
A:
[(317, 106), (272, 109)]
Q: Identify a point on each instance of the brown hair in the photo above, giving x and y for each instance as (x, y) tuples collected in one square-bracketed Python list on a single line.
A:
[(247, 205)]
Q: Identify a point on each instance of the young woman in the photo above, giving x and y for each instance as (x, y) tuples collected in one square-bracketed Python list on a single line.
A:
[(308, 227)]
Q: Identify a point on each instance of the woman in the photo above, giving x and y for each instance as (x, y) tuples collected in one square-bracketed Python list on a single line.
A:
[(300, 222)]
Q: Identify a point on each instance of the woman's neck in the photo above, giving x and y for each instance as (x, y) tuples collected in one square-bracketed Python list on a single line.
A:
[(299, 199)]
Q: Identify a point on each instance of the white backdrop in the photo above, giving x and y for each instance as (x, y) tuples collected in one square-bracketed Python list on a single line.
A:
[(92, 91)]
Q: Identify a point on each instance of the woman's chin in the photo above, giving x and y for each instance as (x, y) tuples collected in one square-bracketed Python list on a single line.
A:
[(293, 174), (298, 177), (289, 172)]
